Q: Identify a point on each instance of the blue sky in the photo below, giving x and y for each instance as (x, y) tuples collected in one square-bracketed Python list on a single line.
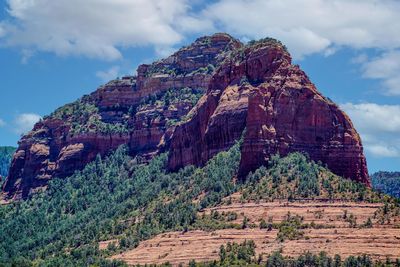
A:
[(52, 53)]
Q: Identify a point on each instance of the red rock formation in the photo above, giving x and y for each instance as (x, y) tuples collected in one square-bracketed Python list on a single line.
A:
[(73, 135), (253, 87), (259, 90)]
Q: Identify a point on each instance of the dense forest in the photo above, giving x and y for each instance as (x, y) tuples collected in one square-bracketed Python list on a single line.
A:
[(298, 177), (111, 197), (118, 198), (6, 153), (387, 182)]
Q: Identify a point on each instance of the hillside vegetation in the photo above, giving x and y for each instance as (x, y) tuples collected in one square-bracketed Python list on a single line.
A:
[(112, 197), (116, 198), (296, 177), (292, 206)]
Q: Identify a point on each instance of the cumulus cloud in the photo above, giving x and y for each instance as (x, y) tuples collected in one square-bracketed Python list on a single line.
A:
[(360, 59), (383, 150), (109, 74), (2, 123), (100, 28), (95, 28), (26, 55), (379, 127), (310, 26), (24, 122), (387, 68)]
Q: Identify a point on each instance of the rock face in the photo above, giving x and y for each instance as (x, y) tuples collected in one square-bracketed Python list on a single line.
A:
[(194, 104), (139, 111), (258, 89)]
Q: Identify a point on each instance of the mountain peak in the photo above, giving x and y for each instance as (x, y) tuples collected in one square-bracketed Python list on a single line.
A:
[(194, 104)]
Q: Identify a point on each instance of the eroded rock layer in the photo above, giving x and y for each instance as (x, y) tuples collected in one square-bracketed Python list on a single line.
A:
[(139, 111), (258, 89), (194, 104)]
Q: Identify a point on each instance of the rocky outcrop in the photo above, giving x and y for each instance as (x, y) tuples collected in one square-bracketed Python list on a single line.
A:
[(195, 104), (191, 66), (139, 111), (258, 90)]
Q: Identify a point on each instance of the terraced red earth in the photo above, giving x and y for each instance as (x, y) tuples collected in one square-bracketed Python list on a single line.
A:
[(380, 241)]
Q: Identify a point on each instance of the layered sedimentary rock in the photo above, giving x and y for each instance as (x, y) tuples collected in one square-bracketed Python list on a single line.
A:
[(259, 90), (195, 104), (139, 111)]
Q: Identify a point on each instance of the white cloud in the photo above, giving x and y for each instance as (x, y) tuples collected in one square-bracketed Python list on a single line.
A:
[(387, 68), (26, 55), (2, 123), (382, 150), (95, 28), (24, 122), (191, 24), (109, 74), (379, 127), (309, 26), (165, 51), (360, 59), (99, 28)]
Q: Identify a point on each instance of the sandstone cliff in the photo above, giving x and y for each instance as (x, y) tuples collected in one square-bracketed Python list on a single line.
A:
[(194, 104), (258, 89), (140, 111)]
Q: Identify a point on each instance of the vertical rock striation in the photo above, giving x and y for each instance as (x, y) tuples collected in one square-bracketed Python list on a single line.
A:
[(195, 104), (139, 111), (258, 89)]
